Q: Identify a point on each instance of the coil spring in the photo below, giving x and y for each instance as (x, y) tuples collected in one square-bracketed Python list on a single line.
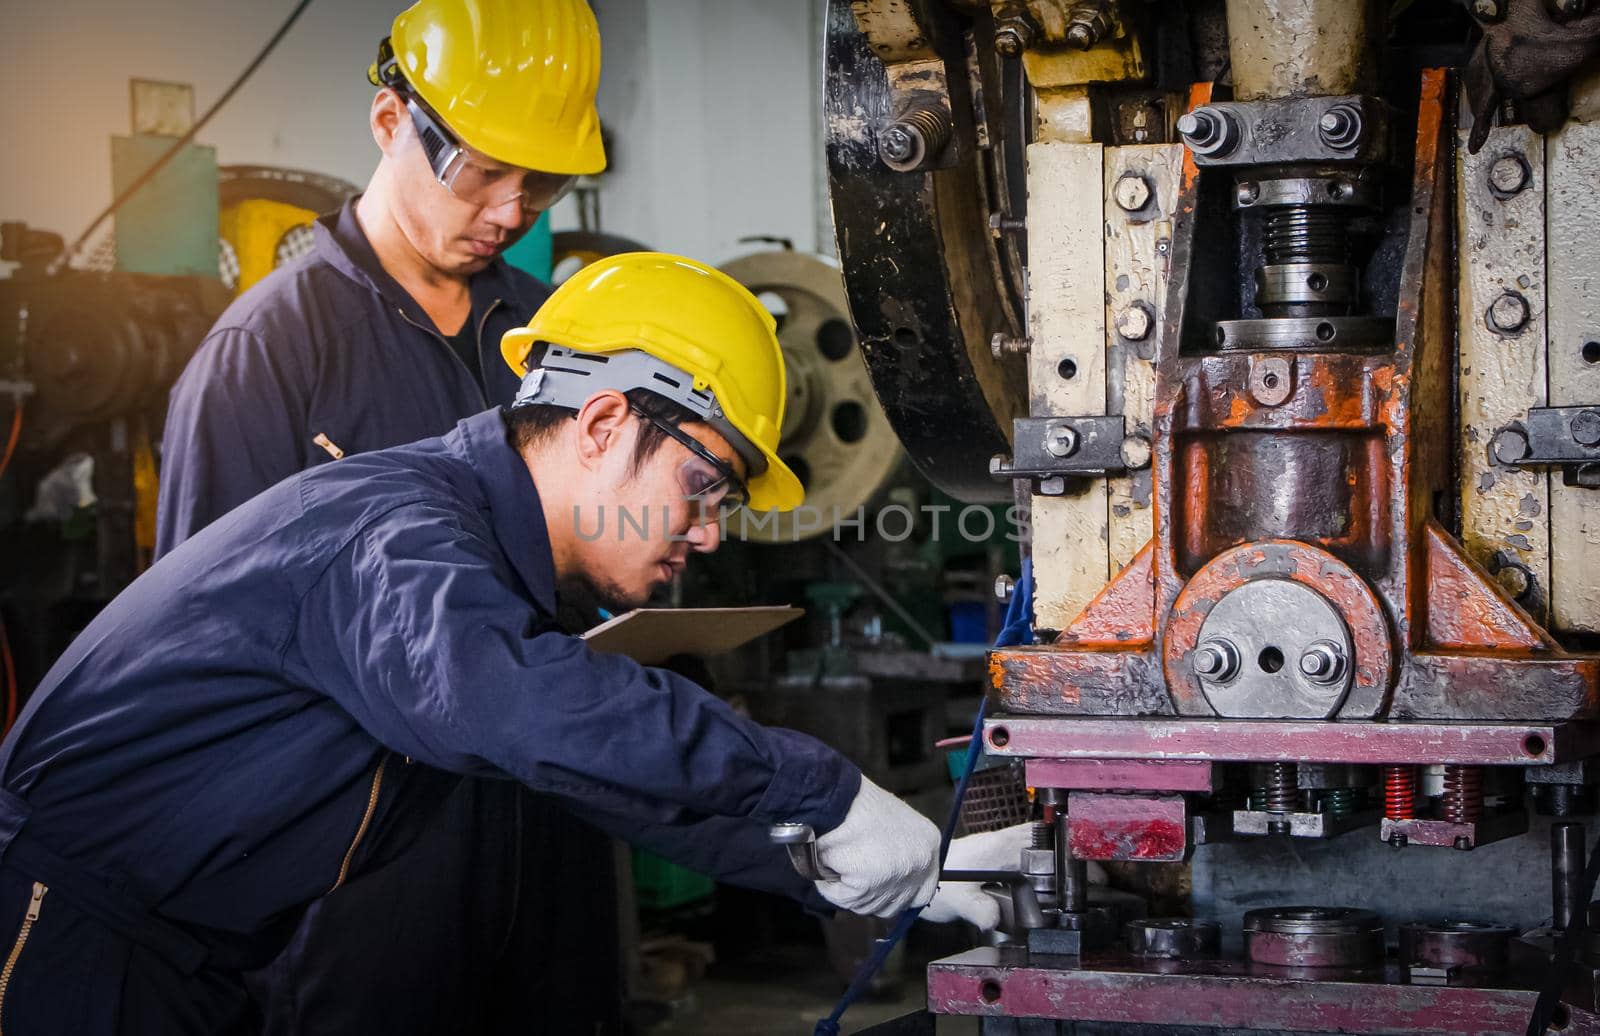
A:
[(1282, 795), (1302, 234), (1463, 794), (1400, 792), (1341, 802)]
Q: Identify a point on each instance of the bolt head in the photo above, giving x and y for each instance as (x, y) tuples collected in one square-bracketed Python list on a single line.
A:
[(1331, 122), (1081, 36), (1132, 192), (1188, 124), (1004, 586), (997, 344), (1038, 861), (1136, 452), (1248, 192), (1134, 323), (1508, 314), (1509, 446), (1010, 41), (1509, 175), (1488, 10), (1340, 127), (1586, 428), (1061, 441), (1323, 662), (1053, 485), (1216, 659), (898, 143)]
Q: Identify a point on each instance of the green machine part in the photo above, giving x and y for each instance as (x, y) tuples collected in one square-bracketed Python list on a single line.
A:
[(170, 225)]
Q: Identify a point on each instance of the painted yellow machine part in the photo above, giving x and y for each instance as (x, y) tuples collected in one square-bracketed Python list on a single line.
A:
[(254, 227)]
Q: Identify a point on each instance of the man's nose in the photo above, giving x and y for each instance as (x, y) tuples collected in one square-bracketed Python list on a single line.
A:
[(509, 214), (705, 538)]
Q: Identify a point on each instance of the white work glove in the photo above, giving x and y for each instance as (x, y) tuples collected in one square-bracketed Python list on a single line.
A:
[(885, 853), (986, 851)]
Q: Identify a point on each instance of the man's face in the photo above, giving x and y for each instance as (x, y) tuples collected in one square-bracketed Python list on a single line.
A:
[(639, 526), (455, 236)]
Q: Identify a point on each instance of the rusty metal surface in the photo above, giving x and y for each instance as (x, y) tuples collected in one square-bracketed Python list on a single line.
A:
[(995, 982), (1124, 774), (1467, 834), (1122, 826), (1488, 744)]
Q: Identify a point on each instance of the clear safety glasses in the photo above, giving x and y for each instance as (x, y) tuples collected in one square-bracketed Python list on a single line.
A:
[(707, 480), (478, 179)]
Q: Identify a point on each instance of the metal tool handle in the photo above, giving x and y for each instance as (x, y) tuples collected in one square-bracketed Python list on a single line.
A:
[(801, 842)]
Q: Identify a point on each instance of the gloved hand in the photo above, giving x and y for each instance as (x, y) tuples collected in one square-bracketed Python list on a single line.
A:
[(885, 853), (986, 851)]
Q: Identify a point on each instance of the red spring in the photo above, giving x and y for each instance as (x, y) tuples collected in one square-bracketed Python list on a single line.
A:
[(1400, 792), (1463, 794)]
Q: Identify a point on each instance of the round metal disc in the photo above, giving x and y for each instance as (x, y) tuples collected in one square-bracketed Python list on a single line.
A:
[(1272, 624), (835, 435)]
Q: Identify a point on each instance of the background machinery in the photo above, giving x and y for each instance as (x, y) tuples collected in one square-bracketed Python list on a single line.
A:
[(1277, 316)]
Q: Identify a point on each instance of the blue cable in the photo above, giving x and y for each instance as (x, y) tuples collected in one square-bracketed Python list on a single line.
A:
[(1017, 629)]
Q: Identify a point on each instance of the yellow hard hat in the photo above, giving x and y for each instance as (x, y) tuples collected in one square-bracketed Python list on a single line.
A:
[(699, 322), (514, 79)]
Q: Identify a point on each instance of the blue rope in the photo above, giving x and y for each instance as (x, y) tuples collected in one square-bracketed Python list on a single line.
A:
[(1017, 629)]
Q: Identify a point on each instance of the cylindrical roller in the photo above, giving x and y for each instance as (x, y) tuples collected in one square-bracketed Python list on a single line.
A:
[(1314, 937), (1566, 873), (1299, 48), (1173, 938), (1455, 944)]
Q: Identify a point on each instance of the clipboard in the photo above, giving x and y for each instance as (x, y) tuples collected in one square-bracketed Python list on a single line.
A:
[(650, 636)]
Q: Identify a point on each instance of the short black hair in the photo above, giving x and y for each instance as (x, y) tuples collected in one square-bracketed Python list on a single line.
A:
[(532, 423)]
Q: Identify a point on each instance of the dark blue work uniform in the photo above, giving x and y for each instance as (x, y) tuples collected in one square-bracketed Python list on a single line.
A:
[(275, 707), (331, 347)]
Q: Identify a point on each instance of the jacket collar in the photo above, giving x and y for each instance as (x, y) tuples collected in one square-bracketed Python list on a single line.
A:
[(515, 512), (342, 244)]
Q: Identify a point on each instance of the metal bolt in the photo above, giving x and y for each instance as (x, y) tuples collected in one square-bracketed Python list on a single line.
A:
[(1508, 314), (1088, 25), (1271, 381), (1509, 175), (1002, 344), (1509, 445), (1247, 192), (1217, 659), (1134, 322), (1136, 452), (1213, 132), (1323, 662), (1132, 192), (1038, 861), (1004, 586), (1061, 440), (1013, 32), (1488, 10), (1001, 223), (1053, 485), (1586, 428), (898, 143), (1341, 126)]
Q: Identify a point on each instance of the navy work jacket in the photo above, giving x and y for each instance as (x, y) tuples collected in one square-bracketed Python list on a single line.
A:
[(329, 345), (217, 738)]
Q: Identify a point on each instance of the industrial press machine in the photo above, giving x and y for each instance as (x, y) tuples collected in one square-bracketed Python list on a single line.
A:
[(1276, 318)]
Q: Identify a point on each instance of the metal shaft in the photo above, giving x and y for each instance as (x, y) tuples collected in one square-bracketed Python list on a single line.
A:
[(1072, 875), (1566, 873)]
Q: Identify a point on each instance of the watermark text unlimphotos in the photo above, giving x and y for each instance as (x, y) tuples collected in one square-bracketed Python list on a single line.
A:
[(894, 523)]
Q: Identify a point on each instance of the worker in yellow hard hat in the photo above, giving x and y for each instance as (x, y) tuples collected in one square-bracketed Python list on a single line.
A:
[(388, 332), (276, 707)]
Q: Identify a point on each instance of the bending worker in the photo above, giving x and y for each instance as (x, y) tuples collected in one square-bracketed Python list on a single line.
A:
[(386, 333), (276, 706)]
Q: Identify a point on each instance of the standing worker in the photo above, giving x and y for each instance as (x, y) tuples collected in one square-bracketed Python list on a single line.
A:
[(276, 707), (387, 333)]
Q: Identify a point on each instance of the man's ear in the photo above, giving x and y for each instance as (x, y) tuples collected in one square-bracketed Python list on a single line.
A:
[(601, 422), (388, 119)]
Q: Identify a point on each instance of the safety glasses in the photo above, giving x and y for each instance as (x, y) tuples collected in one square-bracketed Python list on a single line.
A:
[(706, 479), (477, 179)]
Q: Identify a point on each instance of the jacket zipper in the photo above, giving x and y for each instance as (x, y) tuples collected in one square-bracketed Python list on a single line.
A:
[(361, 830), (39, 889), (482, 323)]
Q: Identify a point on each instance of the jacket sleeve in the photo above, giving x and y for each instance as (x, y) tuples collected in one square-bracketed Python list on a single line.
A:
[(234, 427), (419, 631)]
